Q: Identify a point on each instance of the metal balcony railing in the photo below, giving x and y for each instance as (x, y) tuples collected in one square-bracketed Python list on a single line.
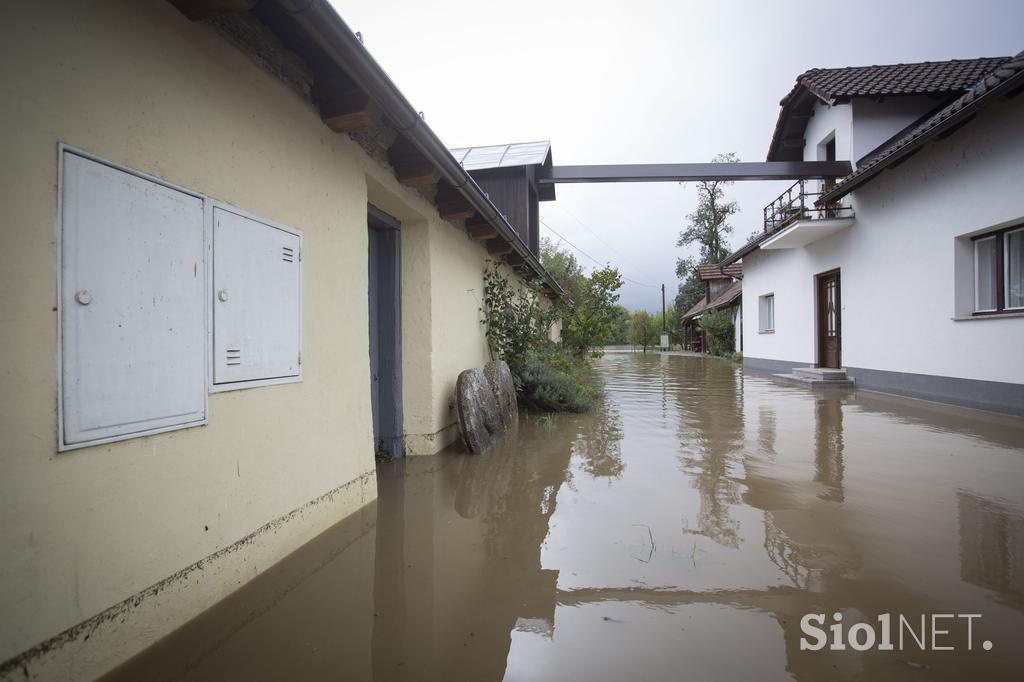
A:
[(798, 203)]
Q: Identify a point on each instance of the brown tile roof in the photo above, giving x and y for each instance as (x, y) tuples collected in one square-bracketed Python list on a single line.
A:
[(923, 78), (1006, 79), (951, 78), (721, 301), (707, 271), (734, 270)]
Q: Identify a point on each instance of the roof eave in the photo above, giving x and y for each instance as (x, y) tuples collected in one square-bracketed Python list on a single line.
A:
[(1009, 87), (321, 24)]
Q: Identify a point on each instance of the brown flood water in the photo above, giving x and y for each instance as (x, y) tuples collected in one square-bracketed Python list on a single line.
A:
[(680, 531)]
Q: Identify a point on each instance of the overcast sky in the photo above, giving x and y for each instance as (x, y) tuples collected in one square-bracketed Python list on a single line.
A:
[(647, 82)]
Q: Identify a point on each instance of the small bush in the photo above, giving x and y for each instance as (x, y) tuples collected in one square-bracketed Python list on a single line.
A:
[(554, 381), (720, 331)]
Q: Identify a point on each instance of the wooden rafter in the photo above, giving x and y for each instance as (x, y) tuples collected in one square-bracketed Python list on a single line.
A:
[(499, 247), (417, 173), (350, 112), (456, 209), (482, 232)]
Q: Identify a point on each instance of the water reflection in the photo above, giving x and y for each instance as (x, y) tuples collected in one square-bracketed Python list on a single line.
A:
[(992, 546), (599, 446), (711, 434), (681, 529), (766, 430), (460, 567), (828, 447)]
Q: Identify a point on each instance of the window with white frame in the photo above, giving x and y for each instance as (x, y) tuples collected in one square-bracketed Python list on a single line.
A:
[(766, 313), (999, 271)]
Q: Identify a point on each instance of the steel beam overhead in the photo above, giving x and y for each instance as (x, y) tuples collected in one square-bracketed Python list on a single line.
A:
[(685, 172)]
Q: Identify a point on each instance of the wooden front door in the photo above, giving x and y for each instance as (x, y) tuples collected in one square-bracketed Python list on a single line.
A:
[(830, 322)]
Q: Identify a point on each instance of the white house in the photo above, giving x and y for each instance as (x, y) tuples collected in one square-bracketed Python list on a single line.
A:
[(908, 272)]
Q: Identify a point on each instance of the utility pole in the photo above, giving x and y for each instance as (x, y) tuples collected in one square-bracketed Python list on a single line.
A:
[(664, 320), (666, 339)]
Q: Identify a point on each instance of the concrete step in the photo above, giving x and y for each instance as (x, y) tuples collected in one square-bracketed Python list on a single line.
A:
[(821, 373), (814, 382)]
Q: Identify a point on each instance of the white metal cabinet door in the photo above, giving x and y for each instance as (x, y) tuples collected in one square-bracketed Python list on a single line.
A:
[(132, 305), (257, 319)]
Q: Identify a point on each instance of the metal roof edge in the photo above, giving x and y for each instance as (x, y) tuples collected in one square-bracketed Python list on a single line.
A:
[(320, 21)]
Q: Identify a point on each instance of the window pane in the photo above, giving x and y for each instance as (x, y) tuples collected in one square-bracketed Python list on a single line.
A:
[(1014, 254), (985, 274), (766, 317)]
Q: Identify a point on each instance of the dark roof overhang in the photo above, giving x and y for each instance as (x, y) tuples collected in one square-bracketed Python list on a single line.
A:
[(315, 31), (1004, 82)]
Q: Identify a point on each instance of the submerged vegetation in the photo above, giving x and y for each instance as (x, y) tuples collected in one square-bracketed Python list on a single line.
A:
[(555, 381), (552, 376)]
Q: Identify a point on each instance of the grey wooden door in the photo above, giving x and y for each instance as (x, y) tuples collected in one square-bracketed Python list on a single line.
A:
[(385, 331)]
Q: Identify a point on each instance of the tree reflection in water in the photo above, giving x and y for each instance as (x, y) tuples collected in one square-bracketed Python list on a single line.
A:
[(599, 446), (711, 435)]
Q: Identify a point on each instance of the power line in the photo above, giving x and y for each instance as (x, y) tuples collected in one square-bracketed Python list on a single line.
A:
[(599, 237), (603, 241), (599, 263)]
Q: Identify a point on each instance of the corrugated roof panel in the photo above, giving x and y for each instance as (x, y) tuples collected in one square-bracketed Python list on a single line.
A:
[(502, 155), (526, 154)]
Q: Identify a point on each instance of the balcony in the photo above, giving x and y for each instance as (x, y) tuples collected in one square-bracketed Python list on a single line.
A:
[(795, 219)]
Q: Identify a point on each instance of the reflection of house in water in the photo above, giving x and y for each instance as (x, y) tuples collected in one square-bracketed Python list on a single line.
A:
[(991, 544), (828, 447), (766, 423), (812, 561)]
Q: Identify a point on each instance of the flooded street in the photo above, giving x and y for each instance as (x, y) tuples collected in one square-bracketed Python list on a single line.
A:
[(680, 531)]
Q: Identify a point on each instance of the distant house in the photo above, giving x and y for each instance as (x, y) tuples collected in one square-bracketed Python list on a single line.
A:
[(723, 291), (908, 272)]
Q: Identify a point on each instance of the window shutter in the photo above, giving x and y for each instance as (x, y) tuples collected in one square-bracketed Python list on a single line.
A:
[(257, 320), (132, 305)]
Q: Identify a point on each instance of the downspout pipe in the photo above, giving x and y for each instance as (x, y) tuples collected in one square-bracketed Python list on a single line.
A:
[(328, 30)]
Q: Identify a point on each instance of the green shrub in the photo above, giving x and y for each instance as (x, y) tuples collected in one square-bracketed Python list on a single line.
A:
[(554, 381), (717, 324), (515, 319), (547, 377)]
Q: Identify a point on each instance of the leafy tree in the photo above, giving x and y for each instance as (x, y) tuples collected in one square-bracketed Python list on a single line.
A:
[(718, 326), (642, 331), (709, 227), (691, 289), (592, 321), (621, 335), (563, 266)]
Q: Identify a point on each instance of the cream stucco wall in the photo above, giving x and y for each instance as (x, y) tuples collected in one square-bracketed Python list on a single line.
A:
[(136, 537)]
